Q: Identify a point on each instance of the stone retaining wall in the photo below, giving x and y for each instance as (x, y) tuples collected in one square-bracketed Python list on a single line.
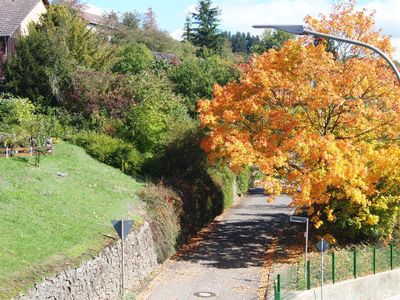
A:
[(100, 277)]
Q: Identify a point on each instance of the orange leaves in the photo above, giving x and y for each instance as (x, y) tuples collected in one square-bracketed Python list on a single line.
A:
[(358, 25), (323, 119)]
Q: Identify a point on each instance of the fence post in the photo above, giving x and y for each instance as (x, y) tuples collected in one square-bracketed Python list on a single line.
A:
[(374, 259), (308, 275), (278, 288), (6, 152), (333, 267), (391, 256), (355, 263)]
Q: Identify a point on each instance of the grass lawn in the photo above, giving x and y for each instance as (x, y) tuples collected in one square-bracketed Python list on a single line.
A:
[(50, 222)]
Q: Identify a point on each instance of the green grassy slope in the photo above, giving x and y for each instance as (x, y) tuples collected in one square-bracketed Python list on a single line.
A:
[(48, 221)]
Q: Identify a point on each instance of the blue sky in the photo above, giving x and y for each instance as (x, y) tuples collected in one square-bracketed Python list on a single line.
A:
[(170, 13), (240, 15)]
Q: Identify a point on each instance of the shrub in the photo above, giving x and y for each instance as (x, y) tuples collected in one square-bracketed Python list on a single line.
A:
[(133, 59), (112, 151), (159, 117), (243, 181), (19, 124), (225, 179), (205, 191), (14, 110), (94, 93)]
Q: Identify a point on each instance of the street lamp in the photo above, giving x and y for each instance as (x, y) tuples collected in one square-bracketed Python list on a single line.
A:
[(300, 30)]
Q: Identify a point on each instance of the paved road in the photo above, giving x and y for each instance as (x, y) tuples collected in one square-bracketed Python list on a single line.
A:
[(228, 262)]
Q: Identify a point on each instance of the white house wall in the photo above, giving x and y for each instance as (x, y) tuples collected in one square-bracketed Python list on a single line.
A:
[(33, 16)]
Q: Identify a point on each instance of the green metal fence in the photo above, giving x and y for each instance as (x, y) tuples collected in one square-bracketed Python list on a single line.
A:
[(338, 266), (277, 287)]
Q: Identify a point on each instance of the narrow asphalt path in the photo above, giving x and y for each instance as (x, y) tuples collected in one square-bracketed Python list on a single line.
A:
[(228, 262)]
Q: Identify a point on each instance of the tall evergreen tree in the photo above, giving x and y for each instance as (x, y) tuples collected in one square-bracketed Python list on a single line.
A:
[(205, 33), (187, 29), (272, 39), (242, 42)]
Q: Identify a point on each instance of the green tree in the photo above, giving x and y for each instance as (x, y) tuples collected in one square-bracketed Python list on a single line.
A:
[(202, 28), (19, 125), (131, 19), (195, 78), (271, 40), (133, 58), (239, 43), (187, 29), (159, 117), (13, 110), (54, 48)]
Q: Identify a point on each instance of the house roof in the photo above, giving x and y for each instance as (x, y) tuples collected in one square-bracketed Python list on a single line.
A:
[(171, 58), (97, 20), (93, 19), (13, 12)]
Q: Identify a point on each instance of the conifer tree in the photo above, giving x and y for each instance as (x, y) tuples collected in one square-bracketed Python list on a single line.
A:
[(205, 33), (187, 30)]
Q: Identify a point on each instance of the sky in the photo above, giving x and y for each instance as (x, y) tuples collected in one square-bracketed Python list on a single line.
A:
[(240, 15)]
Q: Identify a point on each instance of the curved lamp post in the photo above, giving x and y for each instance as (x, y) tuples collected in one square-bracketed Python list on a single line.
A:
[(300, 30)]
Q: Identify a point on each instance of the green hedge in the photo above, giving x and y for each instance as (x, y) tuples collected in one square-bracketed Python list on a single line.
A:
[(243, 181), (205, 191), (111, 151), (225, 179)]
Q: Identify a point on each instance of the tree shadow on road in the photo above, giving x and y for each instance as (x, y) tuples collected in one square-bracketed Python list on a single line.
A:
[(239, 243)]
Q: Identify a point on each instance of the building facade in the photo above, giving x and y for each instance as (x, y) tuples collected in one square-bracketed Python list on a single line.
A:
[(15, 17)]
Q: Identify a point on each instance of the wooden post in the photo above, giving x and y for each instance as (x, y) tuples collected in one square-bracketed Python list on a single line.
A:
[(6, 152)]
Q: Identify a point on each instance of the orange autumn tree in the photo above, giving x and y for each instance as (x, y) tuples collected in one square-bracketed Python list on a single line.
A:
[(323, 121)]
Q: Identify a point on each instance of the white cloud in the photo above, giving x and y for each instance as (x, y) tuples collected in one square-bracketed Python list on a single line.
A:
[(396, 45), (387, 16), (387, 19), (189, 9), (177, 34), (90, 8), (240, 15)]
